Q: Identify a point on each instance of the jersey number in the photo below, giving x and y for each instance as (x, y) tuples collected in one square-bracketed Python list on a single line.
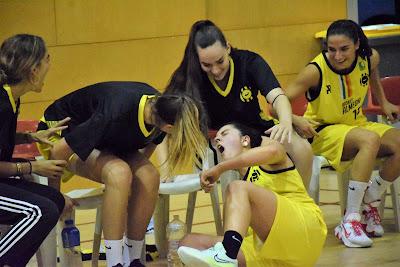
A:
[(356, 112)]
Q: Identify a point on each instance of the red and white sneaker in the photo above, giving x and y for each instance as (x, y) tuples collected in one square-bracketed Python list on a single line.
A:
[(371, 221), (351, 233)]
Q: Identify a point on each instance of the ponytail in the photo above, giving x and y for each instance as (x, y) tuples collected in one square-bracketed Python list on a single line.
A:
[(189, 78)]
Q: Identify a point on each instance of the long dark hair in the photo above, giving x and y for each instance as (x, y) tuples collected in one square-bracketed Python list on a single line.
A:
[(353, 31), (188, 78), (18, 55)]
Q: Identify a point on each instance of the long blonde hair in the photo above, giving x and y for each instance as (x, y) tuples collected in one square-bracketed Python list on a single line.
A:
[(186, 142)]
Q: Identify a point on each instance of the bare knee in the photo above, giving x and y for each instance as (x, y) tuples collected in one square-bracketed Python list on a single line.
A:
[(153, 177), (234, 188), (369, 140), (118, 177), (149, 177), (392, 144)]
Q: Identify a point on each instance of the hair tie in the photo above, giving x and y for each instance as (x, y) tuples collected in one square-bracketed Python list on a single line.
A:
[(276, 98)]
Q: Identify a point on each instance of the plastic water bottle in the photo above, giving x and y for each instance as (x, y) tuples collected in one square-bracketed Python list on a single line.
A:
[(176, 230), (71, 243)]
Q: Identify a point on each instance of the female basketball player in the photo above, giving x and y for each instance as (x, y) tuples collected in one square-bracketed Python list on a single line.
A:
[(269, 219), (336, 83), (114, 128), (228, 80)]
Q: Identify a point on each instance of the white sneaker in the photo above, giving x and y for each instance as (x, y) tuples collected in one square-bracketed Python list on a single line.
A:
[(371, 221), (214, 256), (351, 233)]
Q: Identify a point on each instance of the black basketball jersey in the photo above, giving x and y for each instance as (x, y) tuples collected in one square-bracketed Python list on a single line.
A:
[(9, 110), (249, 74), (107, 115)]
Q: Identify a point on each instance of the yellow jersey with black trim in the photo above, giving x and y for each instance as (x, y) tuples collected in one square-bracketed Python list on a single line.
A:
[(107, 115), (249, 75), (285, 182), (340, 95)]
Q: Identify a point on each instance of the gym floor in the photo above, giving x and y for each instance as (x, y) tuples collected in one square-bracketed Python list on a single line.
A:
[(383, 253)]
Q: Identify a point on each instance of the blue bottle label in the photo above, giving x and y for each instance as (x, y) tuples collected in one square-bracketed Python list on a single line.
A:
[(70, 237)]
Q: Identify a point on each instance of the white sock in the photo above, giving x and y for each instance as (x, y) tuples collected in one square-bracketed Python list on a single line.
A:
[(113, 252), (375, 190), (125, 253), (355, 196), (132, 250)]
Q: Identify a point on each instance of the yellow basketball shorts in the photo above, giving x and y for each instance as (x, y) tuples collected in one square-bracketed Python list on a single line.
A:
[(44, 149), (330, 141), (296, 238)]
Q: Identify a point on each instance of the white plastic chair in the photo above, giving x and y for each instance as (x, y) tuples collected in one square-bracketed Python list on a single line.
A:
[(183, 184), (313, 188), (91, 198)]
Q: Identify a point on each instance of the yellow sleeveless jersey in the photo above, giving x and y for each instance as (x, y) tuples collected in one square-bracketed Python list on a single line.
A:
[(285, 182), (297, 219), (340, 97)]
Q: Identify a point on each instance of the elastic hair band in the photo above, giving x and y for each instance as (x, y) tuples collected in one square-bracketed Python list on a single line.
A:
[(276, 98)]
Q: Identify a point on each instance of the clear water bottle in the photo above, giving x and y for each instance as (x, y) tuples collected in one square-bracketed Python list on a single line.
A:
[(176, 230), (71, 243)]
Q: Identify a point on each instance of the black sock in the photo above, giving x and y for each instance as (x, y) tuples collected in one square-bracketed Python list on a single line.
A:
[(136, 263), (232, 242)]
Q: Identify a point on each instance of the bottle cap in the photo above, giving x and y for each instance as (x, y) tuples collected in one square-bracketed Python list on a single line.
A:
[(69, 221)]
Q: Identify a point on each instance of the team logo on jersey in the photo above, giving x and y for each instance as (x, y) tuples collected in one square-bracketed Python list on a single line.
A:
[(328, 89), (254, 176), (364, 79), (245, 94), (361, 65)]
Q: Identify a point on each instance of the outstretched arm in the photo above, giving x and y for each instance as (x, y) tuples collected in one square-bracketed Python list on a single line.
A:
[(43, 136), (269, 153), (283, 109), (308, 78)]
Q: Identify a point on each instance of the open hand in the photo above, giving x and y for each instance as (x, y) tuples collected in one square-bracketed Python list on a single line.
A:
[(44, 136), (280, 133)]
